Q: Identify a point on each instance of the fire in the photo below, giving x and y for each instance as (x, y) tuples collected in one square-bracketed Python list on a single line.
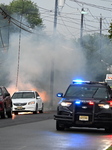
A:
[(13, 116), (11, 89), (43, 94), (45, 97)]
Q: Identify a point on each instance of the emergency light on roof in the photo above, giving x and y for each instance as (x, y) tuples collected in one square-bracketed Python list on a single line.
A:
[(79, 82)]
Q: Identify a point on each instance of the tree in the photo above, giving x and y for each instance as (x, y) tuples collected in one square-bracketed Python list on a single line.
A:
[(26, 9), (10, 22), (97, 50), (110, 31), (18, 14)]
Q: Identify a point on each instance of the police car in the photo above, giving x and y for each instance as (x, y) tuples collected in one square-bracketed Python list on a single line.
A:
[(85, 104)]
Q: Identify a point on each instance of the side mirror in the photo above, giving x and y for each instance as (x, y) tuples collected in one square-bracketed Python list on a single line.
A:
[(38, 97), (59, 94)]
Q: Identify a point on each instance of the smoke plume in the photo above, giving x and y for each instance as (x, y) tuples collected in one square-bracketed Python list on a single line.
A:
[(46, 64)]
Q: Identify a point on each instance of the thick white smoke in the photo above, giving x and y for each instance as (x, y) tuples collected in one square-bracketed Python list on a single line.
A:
[(42, 57)]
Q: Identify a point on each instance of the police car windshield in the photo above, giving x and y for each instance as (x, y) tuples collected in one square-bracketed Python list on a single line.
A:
[(86, 92)]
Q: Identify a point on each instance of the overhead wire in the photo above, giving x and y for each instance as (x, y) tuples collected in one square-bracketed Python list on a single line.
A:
[(70, 6), (66, 18), (47, 15), (93, 5), (20, 26), (107, 0), (9, 18), (66, 26), (96, 18), (106, 22), (51, 15)]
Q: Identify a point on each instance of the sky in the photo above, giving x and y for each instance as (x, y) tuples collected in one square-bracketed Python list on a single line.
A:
[(37, 56), (69, 16)]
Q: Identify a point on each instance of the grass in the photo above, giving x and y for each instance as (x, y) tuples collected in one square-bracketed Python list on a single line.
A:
[(110, 148)]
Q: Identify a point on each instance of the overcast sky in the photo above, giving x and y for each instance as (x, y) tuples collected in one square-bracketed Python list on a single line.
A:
[(68, 24), (69, 17)]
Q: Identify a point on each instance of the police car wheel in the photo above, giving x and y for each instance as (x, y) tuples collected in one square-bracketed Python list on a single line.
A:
[(108, 129), (59, 126)]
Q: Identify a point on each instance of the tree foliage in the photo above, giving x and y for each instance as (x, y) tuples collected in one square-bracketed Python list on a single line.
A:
[(26, 9), (97, 51), (110, 31)]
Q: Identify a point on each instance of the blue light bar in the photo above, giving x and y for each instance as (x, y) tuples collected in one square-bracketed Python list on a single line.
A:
[(79, 81)]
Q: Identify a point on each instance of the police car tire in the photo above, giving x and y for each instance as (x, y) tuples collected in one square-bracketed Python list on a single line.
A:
[(108, 130), (59, 127)]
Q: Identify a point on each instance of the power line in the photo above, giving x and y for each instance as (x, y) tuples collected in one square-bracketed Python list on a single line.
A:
[(21, 27), (9, 18), (67, 18), (93, 5), (65, 25)]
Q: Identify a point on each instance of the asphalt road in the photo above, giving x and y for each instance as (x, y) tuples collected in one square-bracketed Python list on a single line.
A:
[(24, 118), (37, 132)]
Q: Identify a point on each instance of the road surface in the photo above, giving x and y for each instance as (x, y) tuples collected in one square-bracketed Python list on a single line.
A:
[(37, 132)]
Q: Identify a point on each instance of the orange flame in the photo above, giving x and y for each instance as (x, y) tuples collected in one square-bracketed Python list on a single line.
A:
[(43, 94), (13, 116)]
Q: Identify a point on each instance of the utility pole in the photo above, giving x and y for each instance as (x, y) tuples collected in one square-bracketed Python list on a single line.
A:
[(100, 25), (100, 33), (82, 18), (52, 60), (55, 15)]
